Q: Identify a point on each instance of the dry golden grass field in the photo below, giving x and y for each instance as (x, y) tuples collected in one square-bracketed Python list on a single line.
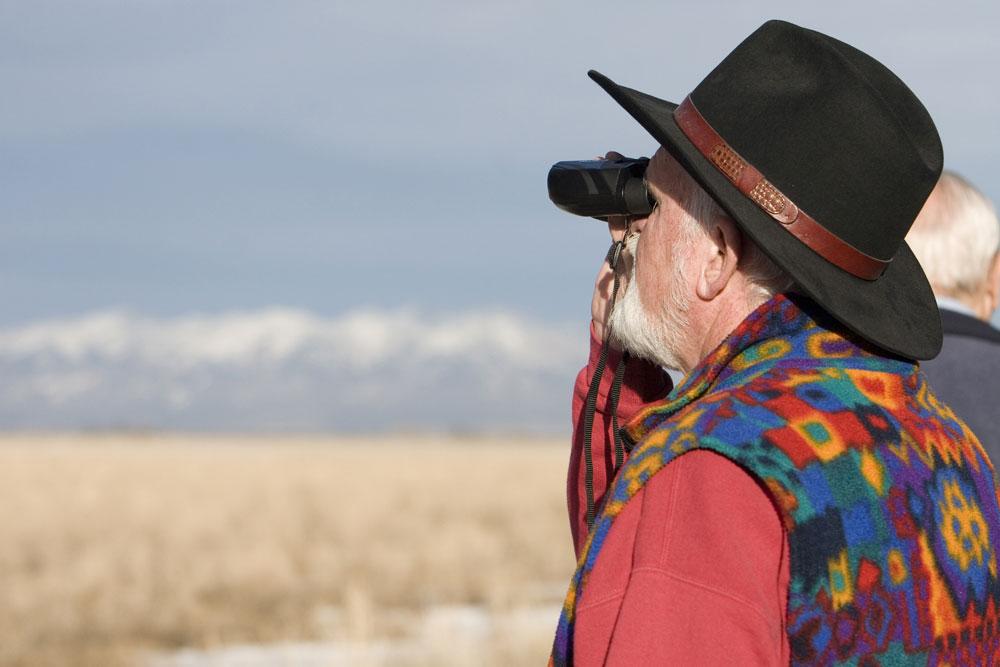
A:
[(127, 550)]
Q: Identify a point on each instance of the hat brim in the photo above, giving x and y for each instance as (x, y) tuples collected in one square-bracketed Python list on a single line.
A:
[(896, 312)]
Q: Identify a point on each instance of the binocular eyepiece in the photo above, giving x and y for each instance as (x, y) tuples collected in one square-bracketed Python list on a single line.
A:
[(601, 188)]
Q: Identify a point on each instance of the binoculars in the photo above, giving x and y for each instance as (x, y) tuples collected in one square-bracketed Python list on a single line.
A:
[(601, 188)]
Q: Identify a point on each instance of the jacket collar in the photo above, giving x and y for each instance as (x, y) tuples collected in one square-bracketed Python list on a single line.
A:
[(955, 323), (753, 347)]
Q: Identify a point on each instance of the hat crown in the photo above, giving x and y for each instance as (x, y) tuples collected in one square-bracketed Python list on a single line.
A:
[(831, 128)]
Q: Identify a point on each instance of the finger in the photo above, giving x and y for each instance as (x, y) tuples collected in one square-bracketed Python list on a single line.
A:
[(602, 292), (617, 224)]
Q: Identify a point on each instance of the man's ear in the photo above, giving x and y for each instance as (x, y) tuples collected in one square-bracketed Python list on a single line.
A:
[(723, 250)]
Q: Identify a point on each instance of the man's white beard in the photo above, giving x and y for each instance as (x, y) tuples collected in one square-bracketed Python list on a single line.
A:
[(652, 336)]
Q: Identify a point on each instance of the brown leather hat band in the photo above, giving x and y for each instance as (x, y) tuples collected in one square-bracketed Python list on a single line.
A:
[(753, 185)]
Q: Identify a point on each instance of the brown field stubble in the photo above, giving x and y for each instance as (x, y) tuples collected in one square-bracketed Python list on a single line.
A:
[(116, 547)]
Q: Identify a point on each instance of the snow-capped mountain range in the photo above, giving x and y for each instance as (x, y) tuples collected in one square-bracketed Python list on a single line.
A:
[(289, 370)]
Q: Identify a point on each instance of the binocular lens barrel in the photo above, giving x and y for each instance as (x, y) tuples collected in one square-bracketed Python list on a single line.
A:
[(601, 188)]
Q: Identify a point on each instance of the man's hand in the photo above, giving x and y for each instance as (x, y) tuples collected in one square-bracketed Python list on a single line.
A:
[(600, 309)]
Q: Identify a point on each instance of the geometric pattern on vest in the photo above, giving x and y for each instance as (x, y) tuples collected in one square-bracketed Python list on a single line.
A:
[(888, 499)]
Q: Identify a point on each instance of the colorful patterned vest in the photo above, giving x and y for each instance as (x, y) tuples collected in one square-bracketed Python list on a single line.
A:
[(888, 498)]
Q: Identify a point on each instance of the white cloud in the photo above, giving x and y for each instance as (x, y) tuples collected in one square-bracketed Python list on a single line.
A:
[(289, 369), (364, 338)]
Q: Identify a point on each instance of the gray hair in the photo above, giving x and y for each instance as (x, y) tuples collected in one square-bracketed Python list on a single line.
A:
[(764, 276), (955, 237)]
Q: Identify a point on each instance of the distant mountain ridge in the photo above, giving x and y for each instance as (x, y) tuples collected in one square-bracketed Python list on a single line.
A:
[(283, 369)]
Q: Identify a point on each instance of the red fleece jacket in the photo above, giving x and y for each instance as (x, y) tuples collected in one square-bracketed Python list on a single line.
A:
[(695, 568)]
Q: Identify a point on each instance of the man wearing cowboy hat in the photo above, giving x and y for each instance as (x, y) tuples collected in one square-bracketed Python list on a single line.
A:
[(802, 496)]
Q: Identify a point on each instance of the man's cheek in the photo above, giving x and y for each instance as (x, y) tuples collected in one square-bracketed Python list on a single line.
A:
[(646, 285)]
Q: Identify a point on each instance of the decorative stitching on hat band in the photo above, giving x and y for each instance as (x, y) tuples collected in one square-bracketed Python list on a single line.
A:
[(753, 185)]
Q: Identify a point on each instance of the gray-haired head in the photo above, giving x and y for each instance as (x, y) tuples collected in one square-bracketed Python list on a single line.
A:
[(956, 238)]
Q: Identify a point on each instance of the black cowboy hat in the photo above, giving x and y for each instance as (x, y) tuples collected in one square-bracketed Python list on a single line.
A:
[(824, 158)]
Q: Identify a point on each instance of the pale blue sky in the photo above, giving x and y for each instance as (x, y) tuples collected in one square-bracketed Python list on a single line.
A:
[(169, 157)]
